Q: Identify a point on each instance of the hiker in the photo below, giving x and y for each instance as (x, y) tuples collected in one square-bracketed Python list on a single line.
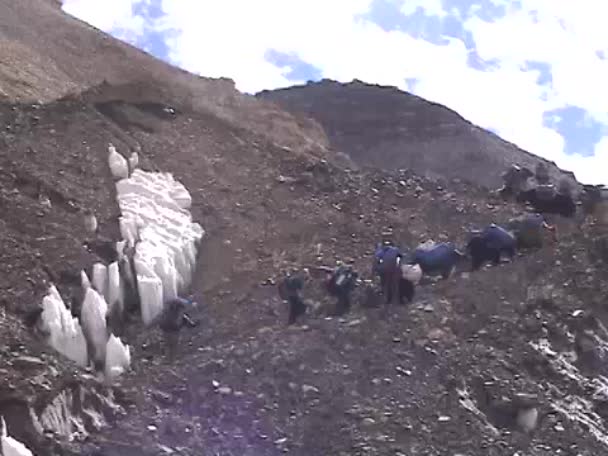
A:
[(442, 258), (289, 290), (529, 230), (387, 260), (489, 244), (340, 283), (172, 319)]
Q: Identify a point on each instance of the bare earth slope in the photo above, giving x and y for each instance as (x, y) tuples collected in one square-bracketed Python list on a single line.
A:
[(389, 129), (438, 377), (363, 385), (46, 54)]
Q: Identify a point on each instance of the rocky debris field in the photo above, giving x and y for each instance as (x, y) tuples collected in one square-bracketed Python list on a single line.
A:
[(504, 361)]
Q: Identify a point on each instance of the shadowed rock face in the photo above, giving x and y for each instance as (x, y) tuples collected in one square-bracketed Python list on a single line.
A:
[(386, 128)]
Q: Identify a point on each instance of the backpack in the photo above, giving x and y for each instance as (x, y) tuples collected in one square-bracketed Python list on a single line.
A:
[(343, 278)]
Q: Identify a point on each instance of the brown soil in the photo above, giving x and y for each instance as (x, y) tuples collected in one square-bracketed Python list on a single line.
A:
[(373, 383)]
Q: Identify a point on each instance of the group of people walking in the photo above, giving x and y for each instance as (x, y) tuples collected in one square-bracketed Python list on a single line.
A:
[(398, 271)]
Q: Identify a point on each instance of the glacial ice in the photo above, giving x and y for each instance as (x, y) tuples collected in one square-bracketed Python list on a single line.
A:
[(84, 280), (100, 279), (151, 297), (154, 209), (118, 357), (93, 315), (118, 163), (115, 290), (120, 249), (65, 333), (155, 219), (11, 446), (133, 161)]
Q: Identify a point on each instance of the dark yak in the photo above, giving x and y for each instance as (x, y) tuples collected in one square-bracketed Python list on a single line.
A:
[(545, 199), (490, 244), (440, 259)]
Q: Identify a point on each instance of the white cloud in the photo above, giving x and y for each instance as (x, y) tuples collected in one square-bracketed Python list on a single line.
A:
[(108, 15), (430, 7), (231, 38)]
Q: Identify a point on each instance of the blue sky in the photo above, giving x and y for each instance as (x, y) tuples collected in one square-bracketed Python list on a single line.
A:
[(533, 71)]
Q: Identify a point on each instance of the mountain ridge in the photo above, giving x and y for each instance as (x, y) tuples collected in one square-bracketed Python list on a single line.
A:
[(453, 141)]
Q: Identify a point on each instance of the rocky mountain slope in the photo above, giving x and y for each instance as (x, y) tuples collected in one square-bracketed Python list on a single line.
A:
[(389, 129), (444, 375), (47, 54)]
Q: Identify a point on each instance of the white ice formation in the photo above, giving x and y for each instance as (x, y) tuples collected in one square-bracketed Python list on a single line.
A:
[(133, 161), (156, 219), (93, 316), (115, 289), (84, 280), (100, 279), (11, 446), (118, 357), (65, 333), (118, 164)]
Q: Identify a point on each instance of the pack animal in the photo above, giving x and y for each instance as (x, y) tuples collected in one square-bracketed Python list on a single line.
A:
[(529, 230), (441, 259), (489, 245), (546, 200)]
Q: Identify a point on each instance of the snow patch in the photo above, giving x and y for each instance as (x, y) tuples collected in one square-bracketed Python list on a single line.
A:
[(155, 218), (93, 314), (11, 446), (65, 333)]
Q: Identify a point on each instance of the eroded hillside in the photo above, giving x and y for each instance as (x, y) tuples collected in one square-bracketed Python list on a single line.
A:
[(362, 385), (447, 374), (389, 129), (46, 54)]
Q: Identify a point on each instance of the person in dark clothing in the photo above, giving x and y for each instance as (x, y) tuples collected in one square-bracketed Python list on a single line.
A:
[(387, 265), (385, 258), (289, 290), (172, 319), (340, 284)]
